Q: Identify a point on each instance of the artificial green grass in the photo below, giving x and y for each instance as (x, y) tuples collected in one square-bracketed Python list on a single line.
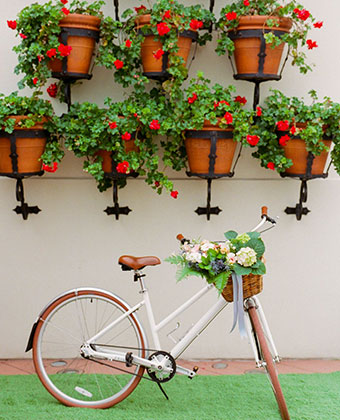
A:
[(244, 397)]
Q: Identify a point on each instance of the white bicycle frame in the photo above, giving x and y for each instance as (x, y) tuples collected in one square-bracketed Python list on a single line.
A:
[(91, 350)]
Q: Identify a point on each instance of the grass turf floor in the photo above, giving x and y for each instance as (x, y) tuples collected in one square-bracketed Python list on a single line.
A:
[(244, 397)]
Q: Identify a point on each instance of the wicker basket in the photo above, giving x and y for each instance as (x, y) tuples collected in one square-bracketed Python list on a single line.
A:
[(252, 285)]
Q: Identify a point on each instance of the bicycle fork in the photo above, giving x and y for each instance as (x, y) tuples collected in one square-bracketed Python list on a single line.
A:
[(254, 302)]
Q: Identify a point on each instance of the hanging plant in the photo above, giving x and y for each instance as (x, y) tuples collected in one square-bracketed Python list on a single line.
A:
[(206, 106), (163, 33), (118, 139), (42, 49), (19, 115), (287, 124), (292, 20)]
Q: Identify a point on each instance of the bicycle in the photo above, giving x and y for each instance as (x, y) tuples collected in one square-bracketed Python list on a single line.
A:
[(83, 335)]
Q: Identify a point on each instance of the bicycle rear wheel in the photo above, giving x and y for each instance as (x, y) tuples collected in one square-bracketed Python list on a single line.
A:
[(64, 326), (266, 357)]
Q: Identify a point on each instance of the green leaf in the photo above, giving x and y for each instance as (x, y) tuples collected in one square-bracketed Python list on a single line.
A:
[(260, 270), (185, 272), (257, 245), (221, 280), (241, 271), (231, 234)]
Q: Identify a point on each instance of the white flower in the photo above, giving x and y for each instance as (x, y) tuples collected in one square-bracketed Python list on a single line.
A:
[(231, 258), (246, 257), (206, 245), (225, 248), (194, 257)]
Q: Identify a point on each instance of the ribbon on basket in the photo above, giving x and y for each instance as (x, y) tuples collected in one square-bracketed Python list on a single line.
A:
[(238, 305)]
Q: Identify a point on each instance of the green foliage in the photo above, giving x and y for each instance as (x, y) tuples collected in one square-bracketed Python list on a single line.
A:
[(88, 129), (319, 120), (216, 261), (275, 10)]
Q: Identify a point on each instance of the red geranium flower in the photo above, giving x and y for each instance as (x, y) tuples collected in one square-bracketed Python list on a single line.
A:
[(126, 136), (52, 90), (196, 24), (123, 167), (241, 100), (311, 44), (112, 125), (231, 16), (318, 24), (162, 28), (302, 14), (167, 15), (158, 54), (228, 117), (270, 165), (192, 98), (23, 36), (246, 2), (283, 125), (40, 57), (253, 140), (258, 111), (64, 50), (65, 11), (216, 104), (118, 64), (35, 80), (128, 43), (174, 194), (12, 24), (155, 125), (140, 8), (52, 168), (293, 130), (64, 1), (283, 140), (51, 53), (157, 184)]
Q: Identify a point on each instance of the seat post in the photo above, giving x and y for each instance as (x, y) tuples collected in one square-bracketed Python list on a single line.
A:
[(139, 276)]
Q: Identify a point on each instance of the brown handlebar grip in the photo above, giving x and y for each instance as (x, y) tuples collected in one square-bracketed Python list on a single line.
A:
[(264, 211), (180, 237)]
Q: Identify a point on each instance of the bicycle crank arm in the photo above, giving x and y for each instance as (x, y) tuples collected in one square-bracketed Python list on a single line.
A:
[(88, 351), (187, 372)]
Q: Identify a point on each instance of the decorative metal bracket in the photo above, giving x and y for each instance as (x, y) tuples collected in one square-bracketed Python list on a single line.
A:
[(213, 136), (299, 210), (24, 209), (116, 209)]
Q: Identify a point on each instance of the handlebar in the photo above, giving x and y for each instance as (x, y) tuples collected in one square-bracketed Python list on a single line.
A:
[(264, 216)]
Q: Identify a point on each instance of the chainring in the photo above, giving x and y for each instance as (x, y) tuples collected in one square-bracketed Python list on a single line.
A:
[(159, 375)]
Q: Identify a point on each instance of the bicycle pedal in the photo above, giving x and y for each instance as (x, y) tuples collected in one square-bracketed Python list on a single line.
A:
[(128, 359), (194, 369)]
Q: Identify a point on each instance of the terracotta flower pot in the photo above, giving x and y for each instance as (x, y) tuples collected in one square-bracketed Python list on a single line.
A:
[(151, 45), (28, 149), (295, 150), (247, 49), (107, 166), (198, 151), (80, 58)]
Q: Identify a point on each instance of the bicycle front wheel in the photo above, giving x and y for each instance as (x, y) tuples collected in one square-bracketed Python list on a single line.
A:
[(266, 356), (62, 329)]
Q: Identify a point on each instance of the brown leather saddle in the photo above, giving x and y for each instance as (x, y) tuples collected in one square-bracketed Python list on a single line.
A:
[(128, 262)]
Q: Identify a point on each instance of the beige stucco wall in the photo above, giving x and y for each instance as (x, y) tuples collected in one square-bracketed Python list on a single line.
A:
[(72, 242)]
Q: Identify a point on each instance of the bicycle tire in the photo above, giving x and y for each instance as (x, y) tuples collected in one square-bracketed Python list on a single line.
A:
[(269, 364), (62, 328)]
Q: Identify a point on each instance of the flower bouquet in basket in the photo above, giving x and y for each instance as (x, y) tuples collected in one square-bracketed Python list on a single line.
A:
[(217, 261)]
